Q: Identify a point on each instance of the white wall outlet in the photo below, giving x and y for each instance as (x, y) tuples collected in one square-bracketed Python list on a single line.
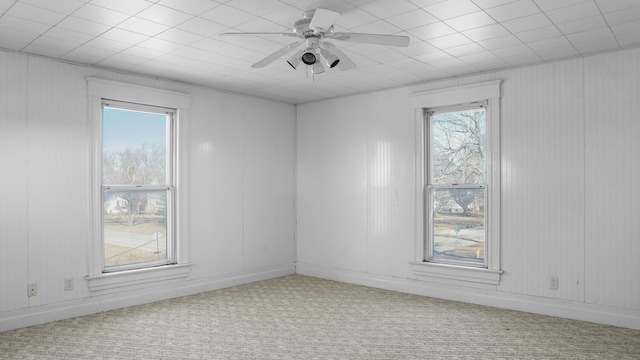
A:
[(68, 284), (553, 282), (32, 289)]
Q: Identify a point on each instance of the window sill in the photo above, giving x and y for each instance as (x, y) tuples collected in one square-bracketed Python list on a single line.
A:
[(115, 281), (451, 272)]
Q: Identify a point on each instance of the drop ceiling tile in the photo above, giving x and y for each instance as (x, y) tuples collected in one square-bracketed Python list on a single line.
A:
[(513, 10), (454, 67), (387, 55), (15, 39), (573, 12), (257, 8), (164, 15), (500, 42), (58, 46), (353, 18), (546, 32), (563, 52), (614, 5), (552, 43), (437, 55), (425, 3), (179, 36), (5, 5), (23, 25), (627, 34), (547, 5), (590, 35), (582, 24), (284, 17), (444, 10), (387, 8), (470, 21), (487, 4), (160, 45), (129, 7), (35, 14), (193, 7), (63, 7), (486, 32), (84, 26), (124, 36), (121, 60), (623, 16), (142, 26), (49, 51), (86, 54), (202, 27), (512, 51), (227, 15), (412, 19), (466, 49), (261, 25), (529, 22), (107, 44), (416, 48), (60, 33), (598, 45), (448, 41), (377, 27), (523, 59), (432, 31), (100, 15)]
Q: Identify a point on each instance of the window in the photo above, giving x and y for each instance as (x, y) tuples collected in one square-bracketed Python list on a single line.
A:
[(137, 185), (456, 185), (458, 175), (139, 235)]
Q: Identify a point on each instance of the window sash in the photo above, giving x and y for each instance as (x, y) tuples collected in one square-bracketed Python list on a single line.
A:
[(431, 187), (167, 187)]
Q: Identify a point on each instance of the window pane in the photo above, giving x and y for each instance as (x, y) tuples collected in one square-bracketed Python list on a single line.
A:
[(134, 226), (458, 147), (134, 147), (459, 225)]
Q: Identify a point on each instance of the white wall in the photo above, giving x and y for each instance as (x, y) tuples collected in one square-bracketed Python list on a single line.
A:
[(570, 167), (241, 179)]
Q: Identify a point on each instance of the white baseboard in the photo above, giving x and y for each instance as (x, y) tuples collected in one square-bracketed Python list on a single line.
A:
[(532, 304), (91, 305)]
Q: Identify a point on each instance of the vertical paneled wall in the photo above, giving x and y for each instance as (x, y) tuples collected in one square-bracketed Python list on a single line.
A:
[(14, 259), (612, 169), (543, 180), (569, 161), (239, 153)]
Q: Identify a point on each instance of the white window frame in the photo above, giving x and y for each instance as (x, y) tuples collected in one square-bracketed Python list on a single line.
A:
[(103, 281), (488, 92)]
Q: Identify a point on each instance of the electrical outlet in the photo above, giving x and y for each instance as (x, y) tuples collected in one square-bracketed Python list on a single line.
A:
[(553, 283), (32, 289), (68, 284)]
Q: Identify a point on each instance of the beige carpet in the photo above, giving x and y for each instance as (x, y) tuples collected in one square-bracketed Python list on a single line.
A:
[(298, 317)]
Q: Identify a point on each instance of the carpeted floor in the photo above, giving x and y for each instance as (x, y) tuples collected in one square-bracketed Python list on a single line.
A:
[(298, 317)]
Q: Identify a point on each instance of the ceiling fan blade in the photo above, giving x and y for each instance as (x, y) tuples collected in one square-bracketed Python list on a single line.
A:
[(345, 63), (259, 33), (323, 19), (273, 57), (376, 39)]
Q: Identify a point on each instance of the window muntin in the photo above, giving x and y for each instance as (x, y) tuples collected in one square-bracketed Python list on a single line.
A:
[(137, 186), (456, 190)]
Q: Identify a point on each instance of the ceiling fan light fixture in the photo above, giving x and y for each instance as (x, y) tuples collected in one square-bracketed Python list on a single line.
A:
[(317, 68), (309, 58), (331, 59), (294, 61)]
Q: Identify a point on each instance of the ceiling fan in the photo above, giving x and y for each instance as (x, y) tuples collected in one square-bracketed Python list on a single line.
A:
[(314, 29)]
